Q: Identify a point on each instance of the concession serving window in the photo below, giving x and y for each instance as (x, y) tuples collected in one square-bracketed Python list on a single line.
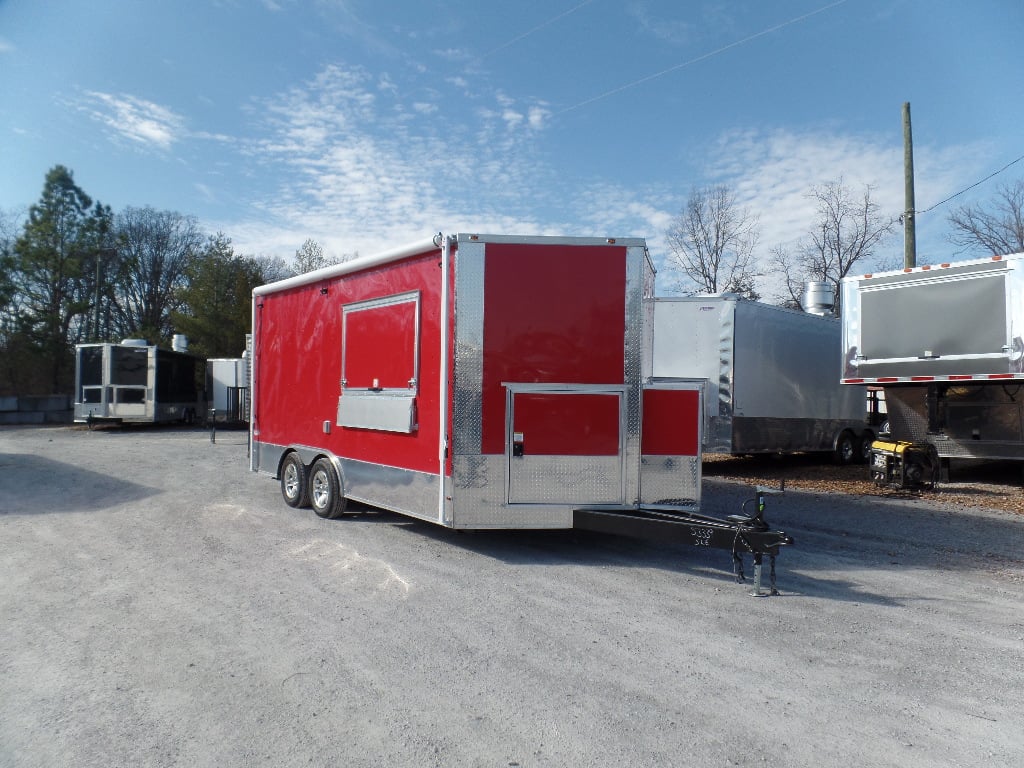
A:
[(380, 363)]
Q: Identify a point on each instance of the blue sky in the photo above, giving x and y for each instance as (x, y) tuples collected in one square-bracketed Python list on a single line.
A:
[(367, 124)]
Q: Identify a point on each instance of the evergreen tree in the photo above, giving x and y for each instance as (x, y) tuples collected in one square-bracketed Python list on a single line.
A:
[(62, 235), (217, 302)]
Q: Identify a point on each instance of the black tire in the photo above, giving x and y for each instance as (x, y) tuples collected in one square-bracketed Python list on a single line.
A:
[(325, 494), (294, 481), (847, 451), (864, 444)]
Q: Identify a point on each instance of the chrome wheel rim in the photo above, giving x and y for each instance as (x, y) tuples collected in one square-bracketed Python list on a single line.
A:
[(291, 481), (321, 490)]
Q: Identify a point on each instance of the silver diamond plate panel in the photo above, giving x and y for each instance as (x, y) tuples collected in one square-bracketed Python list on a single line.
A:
[(671, 480), (478, 491), (579, 480), (638, 278), (908, 413), (469, 349)]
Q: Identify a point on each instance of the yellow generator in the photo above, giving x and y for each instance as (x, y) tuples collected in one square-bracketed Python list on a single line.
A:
[(903, 465)]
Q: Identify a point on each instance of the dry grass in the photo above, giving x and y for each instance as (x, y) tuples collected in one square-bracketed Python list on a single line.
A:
[(994, 485)]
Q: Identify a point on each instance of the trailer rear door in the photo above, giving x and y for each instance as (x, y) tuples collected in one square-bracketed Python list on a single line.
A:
[(565, 445)]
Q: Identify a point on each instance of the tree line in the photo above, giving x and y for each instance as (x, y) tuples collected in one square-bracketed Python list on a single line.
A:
[(713, 239), (75, 272)]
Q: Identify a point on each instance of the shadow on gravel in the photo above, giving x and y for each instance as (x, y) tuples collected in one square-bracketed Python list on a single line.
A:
[(573, 548), (32, 485), (832, 534), (550, 546)]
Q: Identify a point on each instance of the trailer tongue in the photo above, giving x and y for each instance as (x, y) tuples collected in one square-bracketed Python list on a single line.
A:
[(741, 533)]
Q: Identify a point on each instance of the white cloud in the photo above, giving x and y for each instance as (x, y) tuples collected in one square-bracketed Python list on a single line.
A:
[(365, 171), (674, 31), (138, 120), (6, 46), (537, 117), (512, 118)]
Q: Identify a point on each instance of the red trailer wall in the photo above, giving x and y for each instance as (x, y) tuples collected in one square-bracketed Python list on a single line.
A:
[(553, 314), (298, 353), (671, 422)]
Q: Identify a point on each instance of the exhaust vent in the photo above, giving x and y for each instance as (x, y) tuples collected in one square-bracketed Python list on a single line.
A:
[(818, 298)]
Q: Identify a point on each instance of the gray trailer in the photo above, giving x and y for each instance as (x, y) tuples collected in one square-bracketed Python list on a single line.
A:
[(771, 376), (946, 343), (136, 382)]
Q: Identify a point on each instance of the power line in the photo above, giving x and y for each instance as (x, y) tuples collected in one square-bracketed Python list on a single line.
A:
[(700, 58), (968, 189), (539, 27)]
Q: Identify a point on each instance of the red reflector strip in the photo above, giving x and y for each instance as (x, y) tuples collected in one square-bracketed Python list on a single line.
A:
[(886, 379), (854, 381), (922, 378), (1000, 375), (960, 378)]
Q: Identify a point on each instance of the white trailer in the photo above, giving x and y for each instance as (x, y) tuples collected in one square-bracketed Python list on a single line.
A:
[(227, 388), (771, 376), (946, 343)]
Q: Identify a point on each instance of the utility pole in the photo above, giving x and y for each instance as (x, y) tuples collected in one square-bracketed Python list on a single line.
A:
[(909, 231)]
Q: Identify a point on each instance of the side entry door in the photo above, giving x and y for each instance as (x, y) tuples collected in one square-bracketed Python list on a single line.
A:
[(565, 444)]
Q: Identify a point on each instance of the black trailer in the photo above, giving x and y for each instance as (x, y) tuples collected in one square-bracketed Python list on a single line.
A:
[(136, 382)]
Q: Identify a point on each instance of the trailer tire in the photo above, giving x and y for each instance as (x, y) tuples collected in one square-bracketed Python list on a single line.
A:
[(847, 450), (864, 446), (325, 492), (294, 481)]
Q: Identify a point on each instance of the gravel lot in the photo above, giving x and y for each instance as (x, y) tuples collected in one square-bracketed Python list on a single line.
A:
[(161, 606)]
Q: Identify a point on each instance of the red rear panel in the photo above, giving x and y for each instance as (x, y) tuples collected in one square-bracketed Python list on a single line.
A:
[(554, 314), (670, 470), (671, 422)]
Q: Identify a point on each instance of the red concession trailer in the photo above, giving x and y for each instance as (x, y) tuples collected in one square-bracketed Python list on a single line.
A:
[(474, 381)]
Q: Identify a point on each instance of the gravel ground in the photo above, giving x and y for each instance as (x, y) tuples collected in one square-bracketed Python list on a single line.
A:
[(161, 606)]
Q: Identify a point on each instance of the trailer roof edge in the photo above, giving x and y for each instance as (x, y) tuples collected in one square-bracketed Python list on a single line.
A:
[(335, 270)]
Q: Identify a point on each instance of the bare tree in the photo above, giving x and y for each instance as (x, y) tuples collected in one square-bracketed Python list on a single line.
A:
[(712, 243), (996, 231), (311, 256), (155, 248), (847, 232)]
